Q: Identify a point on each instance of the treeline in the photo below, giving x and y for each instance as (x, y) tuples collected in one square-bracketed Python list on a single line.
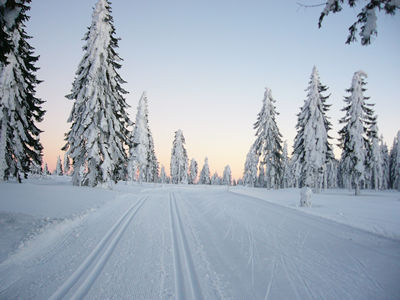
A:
[(365, 161)]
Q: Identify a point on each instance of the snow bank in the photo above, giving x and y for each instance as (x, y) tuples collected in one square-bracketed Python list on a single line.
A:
[(374, 211)]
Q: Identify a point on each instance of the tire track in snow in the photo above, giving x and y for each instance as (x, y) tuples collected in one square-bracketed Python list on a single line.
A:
[(94, 263), (186, 287)]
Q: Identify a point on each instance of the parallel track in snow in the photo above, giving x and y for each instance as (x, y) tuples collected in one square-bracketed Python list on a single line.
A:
[(86, 274), (187, 284)]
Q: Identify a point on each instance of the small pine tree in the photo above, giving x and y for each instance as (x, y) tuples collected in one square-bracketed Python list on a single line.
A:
[(250, 168), (286, 169), (59, 170), (353, 136), (163, 175), (193, 171), (46, 170), (19, 108), (215, 179), (227, 176), (205, 173), (98, 136), (179, 160)]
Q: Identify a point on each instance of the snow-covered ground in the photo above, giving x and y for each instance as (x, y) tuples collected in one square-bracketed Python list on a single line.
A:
[(195, 242)]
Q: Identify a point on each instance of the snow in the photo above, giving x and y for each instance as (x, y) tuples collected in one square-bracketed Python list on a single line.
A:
[(373, 211), (160, 241)]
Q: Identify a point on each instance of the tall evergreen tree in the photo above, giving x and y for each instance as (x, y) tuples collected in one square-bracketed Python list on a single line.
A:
[(20, 145), (268, 143), (312, 149), (250, 168), (179, 159), (395, 163), (193, 171), (99, 132), (205, 173), (227, 176), (353, 136)]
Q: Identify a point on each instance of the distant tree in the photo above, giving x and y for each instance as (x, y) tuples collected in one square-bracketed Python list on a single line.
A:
[(385, 164), (193, 171), (286, 168), (215, 179), (46, 170), (268, 143), (366, 19), (227, 176), (98, 137), (261, 176), (163, 175), (59, 169), (353, 136), (250, 168), (395, 163), (205, 173), (67, 165), (331, 176), (19, 108), (179, 160), (374, 157)]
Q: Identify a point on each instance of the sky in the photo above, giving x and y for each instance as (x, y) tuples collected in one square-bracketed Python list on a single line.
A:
[(205, 65)]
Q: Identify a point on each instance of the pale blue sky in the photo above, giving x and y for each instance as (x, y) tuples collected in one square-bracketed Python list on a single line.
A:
[(204, 65)]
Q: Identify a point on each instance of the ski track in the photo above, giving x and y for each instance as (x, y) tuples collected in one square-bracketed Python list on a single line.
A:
[(92, 266), (183, 261)]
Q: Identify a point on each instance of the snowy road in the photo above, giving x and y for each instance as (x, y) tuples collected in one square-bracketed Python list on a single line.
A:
[(199, 243)]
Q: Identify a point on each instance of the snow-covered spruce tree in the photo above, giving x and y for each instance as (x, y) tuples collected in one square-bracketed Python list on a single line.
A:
[(331, 176), (139, 149), (261, 176), (99, 132), (374, 158), (59, 169), (193, 171), (67, 165), (46, 170), (9, 14), (179, 160), (163, 175), (205, 173), (19, 108), (250, 168), (385, 164), (312, 149), (353, 136), (143, 164), (227, 176), (268, 143), (286, 169), (395, 163), (215, 179)]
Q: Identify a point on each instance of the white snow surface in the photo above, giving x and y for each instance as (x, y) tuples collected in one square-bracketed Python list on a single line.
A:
[(153, 241)]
